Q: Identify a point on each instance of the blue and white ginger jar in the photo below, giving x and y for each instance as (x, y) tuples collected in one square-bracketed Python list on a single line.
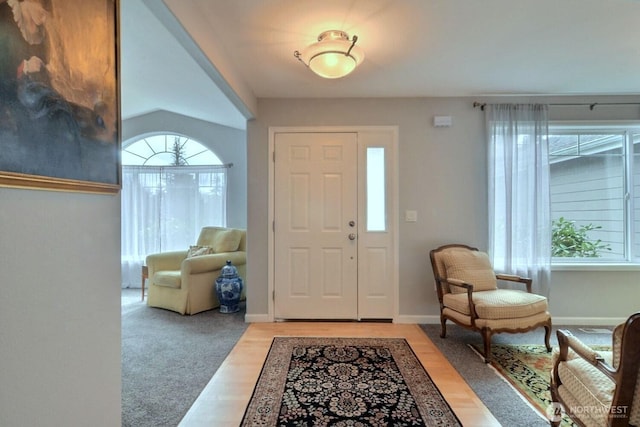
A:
[(229, 288)]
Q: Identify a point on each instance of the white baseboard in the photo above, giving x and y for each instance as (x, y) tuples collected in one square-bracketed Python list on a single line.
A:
[(556, 320), (587, 321), (435, 320), (257, 318)]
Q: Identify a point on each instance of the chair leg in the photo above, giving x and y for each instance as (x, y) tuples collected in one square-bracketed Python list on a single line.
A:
[(555, 416), (547, 336), (486, 340), (443, 324)]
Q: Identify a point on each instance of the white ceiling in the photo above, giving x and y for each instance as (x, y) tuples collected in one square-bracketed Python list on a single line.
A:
[(413, 48), (158, 73)]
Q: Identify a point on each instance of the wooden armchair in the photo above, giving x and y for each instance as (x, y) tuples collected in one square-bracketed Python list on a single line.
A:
[(469, 296), (598, 388)]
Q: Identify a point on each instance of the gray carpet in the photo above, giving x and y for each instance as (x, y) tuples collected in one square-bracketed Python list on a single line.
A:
[(168, 359), (503, 402)]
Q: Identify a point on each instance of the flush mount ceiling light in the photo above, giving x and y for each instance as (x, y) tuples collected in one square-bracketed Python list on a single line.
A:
[(333, 56)]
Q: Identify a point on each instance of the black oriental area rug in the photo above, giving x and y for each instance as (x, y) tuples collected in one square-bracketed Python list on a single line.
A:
[(345, 382)]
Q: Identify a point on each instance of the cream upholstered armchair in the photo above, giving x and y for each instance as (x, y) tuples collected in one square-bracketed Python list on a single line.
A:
[(183, 281), (469, 296), (598, 388)]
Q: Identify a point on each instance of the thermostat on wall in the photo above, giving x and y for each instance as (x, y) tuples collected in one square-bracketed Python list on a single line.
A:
[(442, 121)]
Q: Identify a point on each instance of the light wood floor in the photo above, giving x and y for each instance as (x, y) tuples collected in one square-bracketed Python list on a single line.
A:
[(224, 399)]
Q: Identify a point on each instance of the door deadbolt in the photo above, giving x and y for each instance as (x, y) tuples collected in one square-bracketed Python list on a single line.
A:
[(352, 223)]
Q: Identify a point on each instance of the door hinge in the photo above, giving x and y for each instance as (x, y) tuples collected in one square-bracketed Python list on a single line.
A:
[(273, 226), (273, 296), (273, 156)]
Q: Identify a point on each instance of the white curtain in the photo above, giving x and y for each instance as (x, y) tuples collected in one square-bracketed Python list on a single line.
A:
[(164, 208), (519, 201)]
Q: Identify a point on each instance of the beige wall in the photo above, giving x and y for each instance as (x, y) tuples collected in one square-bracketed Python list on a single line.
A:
[(59, 309), (592, 297), (442, 175)]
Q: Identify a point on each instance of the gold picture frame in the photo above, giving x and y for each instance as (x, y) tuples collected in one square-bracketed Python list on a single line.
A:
[(60, 126)]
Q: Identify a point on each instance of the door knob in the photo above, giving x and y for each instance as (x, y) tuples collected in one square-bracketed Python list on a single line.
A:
[(352, 236)]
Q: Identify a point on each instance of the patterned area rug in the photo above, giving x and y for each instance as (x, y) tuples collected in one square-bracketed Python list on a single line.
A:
[(345, 382), (527, 368)]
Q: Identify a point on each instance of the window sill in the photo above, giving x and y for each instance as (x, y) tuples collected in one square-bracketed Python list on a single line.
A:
[(595, 267)]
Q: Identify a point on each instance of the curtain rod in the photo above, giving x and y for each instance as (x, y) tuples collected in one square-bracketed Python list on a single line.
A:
[(591, 105)]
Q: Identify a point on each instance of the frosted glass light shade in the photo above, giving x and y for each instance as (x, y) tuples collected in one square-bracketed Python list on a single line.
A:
[(333, 56)]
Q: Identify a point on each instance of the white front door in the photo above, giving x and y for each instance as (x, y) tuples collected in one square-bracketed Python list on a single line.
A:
[(335, 221), (315, 211)]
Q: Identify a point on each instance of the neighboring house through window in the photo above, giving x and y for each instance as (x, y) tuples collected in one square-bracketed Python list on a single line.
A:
[(595, 193), (172, 186)]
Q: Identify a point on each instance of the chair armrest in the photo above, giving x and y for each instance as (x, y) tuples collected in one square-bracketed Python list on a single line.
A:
[(513, 278), (567, 341), (165, 261), (469, 288), (459, 283), (212, 262), (583, 350), (236, 258)]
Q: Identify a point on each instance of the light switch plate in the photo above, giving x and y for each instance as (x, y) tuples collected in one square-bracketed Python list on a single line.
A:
[(410, 216)]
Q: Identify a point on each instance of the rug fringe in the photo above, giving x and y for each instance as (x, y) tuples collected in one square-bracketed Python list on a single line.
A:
[(523, 398)]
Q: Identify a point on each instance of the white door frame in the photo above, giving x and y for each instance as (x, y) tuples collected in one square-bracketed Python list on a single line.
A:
[(394, 201)]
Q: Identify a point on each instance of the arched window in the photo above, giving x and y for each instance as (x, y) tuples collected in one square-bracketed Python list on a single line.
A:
[(172, 186), (168, 150)]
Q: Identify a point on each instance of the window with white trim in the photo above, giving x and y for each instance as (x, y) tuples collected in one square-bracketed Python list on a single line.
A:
[(595, 193)]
